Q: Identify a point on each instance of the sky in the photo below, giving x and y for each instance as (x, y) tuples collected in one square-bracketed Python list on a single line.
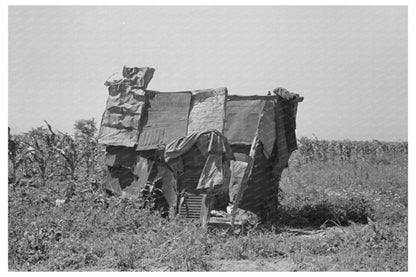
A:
[(349, 62)]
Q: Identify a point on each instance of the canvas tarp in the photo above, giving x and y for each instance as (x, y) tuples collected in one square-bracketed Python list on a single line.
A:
[(117, 179), (187, 169), (120, 156), (128, 170), (138, 76), (215, 171), (261, 183), (289, 110), (169, 188), (207, 110), (246, 117), (120, 129), (267, 128), (141, 171), (120, 123), (166, 119), (287, 103), (128, 180), (242, 118), (237, 172), (285, 132)]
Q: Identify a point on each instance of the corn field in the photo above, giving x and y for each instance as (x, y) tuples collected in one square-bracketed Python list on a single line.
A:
[(45, 153), (354, 192), (311, 150)]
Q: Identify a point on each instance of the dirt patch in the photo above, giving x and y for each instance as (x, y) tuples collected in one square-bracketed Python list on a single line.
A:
[(252, 265)]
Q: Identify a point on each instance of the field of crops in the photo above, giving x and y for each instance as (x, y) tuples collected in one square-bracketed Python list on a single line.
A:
[(342, 207)]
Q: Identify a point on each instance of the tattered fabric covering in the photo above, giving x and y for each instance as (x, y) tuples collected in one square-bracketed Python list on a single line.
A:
[(138, 77), (128, 170), (120, 123), (142, 170), (216, 172), (237, 172), (169, 187), (119, 179), (120, 156), (242, 119), (267, 128), (188, 168), (288, 104), (285, 94), (166, 119), (207, 110), (285, 130), (289, 110), (261, 184), (216, 144), (246, 117), (215, 151)]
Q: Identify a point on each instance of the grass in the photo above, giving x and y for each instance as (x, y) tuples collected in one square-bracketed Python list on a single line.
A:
[(357, 188), (333, 216)]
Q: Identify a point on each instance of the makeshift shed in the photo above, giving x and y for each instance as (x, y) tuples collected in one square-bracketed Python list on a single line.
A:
[(260, 130), (196, 142)]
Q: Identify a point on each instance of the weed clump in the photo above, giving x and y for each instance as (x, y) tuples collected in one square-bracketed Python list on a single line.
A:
[(327, 212)]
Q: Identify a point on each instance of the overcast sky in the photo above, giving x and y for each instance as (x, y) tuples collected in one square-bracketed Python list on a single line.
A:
[(350, 63)]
